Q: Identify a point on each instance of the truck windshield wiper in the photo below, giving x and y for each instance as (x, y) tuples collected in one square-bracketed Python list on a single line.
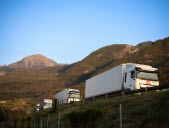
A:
[(142, 78)]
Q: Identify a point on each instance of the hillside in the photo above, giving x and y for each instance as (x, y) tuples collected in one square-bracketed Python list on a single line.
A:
[(40, 83), (31, 83), (147, 110), (144, 44)]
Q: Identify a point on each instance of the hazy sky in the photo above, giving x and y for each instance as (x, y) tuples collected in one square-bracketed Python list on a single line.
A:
[(69, 30)]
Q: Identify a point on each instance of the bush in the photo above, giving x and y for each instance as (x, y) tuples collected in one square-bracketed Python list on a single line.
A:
[(86, 118), (139, 110), (54, 106), (2, 115)]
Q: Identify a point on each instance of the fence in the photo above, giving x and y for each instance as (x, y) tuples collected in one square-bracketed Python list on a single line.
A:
[(38, 121)]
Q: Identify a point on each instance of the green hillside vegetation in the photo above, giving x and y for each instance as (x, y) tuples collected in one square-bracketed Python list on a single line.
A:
[(147, 110), (31, 83)]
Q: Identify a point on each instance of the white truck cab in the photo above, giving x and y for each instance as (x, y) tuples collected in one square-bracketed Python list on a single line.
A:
[(67, 96), (137, 76), (46, 103), (37, 107)]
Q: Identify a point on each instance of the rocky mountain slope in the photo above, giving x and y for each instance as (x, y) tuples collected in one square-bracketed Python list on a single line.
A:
[(33, 61), (41, 83)]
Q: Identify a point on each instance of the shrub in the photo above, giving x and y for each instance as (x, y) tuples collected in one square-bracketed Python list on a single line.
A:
[(139, 110), (86, 118), (54, 106), (2, 115)]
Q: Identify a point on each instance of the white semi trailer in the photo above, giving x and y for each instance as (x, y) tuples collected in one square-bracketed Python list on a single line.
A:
[(68, 95), (125, 77)]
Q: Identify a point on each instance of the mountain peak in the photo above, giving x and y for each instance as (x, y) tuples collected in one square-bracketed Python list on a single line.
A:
[(35, 57), (33, 61)]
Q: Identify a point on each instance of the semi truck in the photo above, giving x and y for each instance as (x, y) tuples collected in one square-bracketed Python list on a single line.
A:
[(67, 96), (122, 78), (45, 104)]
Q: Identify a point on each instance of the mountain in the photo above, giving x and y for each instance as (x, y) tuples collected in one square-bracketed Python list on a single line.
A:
[(43, 83), (34, 61)]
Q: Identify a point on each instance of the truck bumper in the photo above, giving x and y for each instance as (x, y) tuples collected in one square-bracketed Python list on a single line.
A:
[(146, 86)]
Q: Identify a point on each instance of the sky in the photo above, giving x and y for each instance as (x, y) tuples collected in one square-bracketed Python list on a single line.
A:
[(69, 30)]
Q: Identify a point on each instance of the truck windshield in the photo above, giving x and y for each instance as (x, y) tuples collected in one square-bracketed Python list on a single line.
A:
[(74, 95), (48, 104), (147, 76)]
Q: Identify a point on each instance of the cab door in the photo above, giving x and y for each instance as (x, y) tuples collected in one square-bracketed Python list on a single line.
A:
[(129, 81)]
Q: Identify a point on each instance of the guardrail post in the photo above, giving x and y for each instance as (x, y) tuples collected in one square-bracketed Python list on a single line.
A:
[(146, 89), (34, 121), (41, 122), (59, 120), (47, 120), (120, 115)]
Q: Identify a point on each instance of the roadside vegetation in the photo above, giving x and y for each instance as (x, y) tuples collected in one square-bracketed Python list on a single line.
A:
[(146, 110)]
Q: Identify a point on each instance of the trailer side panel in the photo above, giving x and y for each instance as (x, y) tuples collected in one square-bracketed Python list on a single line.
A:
[(104, 83)]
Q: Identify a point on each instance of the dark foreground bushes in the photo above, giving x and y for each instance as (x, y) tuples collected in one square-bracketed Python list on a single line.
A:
[(88, 118)]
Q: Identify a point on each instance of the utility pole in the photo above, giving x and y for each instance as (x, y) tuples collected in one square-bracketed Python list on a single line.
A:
[(120, 115)]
